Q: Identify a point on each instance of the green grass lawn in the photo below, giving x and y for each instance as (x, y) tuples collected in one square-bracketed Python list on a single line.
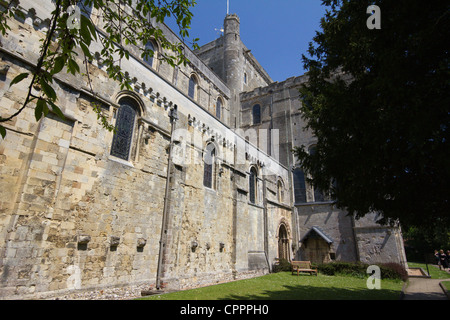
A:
[(434, 271), (285, 286), (446, 285)]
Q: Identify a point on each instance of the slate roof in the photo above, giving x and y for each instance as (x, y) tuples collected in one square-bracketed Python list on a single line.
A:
[(319, 232)]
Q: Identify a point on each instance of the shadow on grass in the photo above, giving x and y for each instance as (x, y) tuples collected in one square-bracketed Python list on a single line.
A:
[(318, 293)]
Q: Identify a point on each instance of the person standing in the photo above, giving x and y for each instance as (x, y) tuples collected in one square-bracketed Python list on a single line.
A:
[(448, 260), (438, 258), (443, 259)]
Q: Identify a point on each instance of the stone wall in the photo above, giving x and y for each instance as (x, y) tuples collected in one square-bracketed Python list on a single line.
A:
[(362, 240), (234, 64), (378, 244), (75, 218), (280, 103)]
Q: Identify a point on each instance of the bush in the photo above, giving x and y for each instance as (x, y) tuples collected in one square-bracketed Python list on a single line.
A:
[(358, 269), (282, 265), (348, 268), (393, 271)]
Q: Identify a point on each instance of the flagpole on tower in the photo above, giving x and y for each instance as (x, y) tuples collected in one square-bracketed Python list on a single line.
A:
[(228, 7)]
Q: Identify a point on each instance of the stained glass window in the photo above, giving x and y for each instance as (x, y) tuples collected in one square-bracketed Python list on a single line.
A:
[(253, 185), (123, 135), (209, 160), (299, 186)]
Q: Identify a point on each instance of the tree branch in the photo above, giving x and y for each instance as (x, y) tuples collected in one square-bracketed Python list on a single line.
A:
[(41, 60)]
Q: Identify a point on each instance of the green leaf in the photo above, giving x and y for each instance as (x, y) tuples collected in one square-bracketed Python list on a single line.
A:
[(59, 65), (73, 67), (48, 90), (86, 51), (2, 131), (57, 110), (88, 25), (84, 30), (40, 109), (19, 78)]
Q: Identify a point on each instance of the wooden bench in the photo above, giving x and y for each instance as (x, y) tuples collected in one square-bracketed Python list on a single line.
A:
[(302, 266)]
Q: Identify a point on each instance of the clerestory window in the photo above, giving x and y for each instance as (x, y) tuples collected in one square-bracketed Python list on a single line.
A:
[(299, 186), (256, 113), (192, 87), (218, 108), (150, 58)]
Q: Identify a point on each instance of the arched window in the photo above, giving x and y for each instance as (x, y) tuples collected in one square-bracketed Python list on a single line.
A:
[(125, 122), (209, 166), (256, 112), (192, 87), (253, 184), (299, 186), (280, 191), (318, 195), (149, 60), (218, 108)]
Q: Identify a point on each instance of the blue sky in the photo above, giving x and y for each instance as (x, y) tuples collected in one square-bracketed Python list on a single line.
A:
[(277, 31)]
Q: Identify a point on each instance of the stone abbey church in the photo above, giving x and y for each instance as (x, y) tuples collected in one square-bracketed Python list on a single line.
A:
[(197, 186)]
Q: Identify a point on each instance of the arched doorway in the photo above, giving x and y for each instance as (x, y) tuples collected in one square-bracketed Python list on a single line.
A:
[(283, 243)]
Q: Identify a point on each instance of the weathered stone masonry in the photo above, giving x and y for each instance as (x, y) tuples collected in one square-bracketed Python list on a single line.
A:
[(75, 217)]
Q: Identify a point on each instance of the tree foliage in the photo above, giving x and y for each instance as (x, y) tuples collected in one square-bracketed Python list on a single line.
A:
[(378, 102), (124, 23)]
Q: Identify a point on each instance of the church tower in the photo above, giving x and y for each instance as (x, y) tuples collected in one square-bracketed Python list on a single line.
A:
[(232, 60)]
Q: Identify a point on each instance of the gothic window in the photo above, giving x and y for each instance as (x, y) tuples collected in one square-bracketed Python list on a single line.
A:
[(209, 166), (149, 60), (218, 108), (253, 185), (256, 112), (318, 195), (299, 186), (192, 87), (126, 116)]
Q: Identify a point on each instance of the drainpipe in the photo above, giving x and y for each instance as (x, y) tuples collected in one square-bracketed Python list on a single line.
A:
[(163, 240)]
